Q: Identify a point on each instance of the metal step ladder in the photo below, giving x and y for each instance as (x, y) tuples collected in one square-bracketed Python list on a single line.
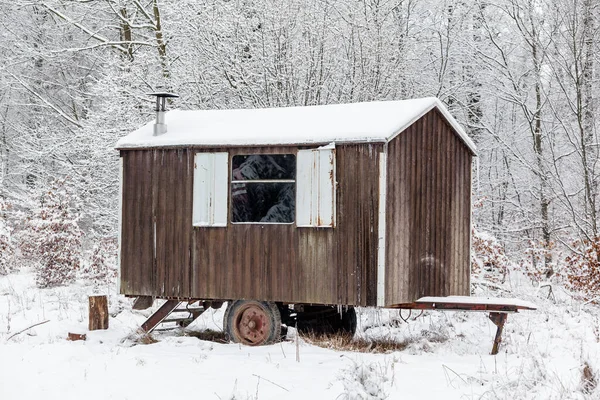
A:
[(171, 311)]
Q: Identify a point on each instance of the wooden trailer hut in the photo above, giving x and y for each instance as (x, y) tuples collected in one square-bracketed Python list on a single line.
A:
[(287, 212)]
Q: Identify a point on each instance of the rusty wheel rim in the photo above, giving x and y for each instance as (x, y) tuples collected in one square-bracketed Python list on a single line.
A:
[(252, 325)]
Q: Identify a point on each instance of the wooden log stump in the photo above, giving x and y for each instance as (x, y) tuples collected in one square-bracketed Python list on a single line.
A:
[(98, 307), (76, 336)]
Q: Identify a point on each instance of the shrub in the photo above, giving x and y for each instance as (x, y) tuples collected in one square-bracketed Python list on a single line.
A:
[(7, 247), (537, 264), (582, 269), (101, 268), (55, 237), (488, 259)]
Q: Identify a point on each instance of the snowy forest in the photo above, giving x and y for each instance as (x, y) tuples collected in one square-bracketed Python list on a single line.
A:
[(522, 77)]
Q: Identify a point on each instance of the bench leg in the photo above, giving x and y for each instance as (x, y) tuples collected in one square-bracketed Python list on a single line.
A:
[(498, 319)]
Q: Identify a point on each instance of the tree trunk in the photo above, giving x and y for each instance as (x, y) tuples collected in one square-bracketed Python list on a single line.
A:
[(98, 306), (586, 114), (542, 171), (160, 43), (126, 35)]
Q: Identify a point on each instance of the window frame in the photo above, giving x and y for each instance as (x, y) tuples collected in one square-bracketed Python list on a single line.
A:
[(233, 181)]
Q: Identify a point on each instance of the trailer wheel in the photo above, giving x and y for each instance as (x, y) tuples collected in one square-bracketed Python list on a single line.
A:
[(252, 323)]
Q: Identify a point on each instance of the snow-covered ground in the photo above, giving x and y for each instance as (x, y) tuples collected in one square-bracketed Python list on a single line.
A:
[(447, 354)]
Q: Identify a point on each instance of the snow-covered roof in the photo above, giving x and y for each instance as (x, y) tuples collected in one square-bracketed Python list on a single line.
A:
[(378, 121)]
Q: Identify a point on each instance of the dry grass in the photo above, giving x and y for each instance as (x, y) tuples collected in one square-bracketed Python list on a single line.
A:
[(139, 337), (210, 335), (588, 379), (360, 345), (147, 339)]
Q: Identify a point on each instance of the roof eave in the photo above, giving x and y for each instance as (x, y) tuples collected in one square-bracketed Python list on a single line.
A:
[(449, 118), (238, 145)]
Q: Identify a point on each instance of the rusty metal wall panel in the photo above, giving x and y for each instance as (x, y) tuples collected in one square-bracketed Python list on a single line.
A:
[(172, 208), (428, 207), (136, 227), (156, 204), (278, 262), (356, 233), (244, 261), (285, 263)]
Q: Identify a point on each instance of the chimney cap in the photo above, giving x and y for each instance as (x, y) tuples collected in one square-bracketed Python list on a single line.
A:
[(163, 94)]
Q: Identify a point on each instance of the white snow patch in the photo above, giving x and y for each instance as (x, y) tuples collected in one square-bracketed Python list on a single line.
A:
[(446, 356), (377, 121)]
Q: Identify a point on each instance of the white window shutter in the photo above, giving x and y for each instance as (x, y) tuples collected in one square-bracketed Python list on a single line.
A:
[(210, 189), (315, 187), (305, 162)]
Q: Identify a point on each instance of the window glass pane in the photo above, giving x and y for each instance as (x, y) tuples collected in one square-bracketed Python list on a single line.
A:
[(263, 202), (263, 166)]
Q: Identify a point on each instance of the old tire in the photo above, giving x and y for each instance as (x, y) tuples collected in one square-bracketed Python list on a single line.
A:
[(252, 322), (327, 320)]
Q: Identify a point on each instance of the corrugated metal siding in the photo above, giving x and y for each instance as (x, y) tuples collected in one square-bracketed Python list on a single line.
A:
[(137, 225), (172, 184), (428, 212), (356, 231), (247, 261)]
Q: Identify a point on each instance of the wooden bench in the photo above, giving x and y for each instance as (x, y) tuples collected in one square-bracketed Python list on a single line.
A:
[(498, 309)]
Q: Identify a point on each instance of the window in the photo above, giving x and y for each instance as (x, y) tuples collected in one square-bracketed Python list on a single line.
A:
[(263, 188), (266, 188)]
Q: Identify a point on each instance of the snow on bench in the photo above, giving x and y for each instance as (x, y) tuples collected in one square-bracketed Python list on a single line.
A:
[(497, 304)]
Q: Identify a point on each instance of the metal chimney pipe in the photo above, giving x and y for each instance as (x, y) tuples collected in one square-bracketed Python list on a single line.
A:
[(160, 126)]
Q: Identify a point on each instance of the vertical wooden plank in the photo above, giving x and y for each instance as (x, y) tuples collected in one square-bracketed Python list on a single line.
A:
[(164, 230), (468, 219), (464, 221), (428, 264), (435, 206), (406, 221), (422, 209), (188, 229), (157, 228), (146, 271), (344, 251), (149, 264), (456, 216), (372, 232), (411, 221), (272, 269), (446, 210), (403, 221), (126, 225), (354, 220), (360, 276), (459, 216), (460, 202), (137, 177), (176, 240)]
